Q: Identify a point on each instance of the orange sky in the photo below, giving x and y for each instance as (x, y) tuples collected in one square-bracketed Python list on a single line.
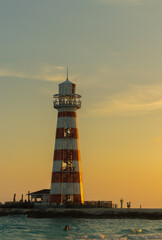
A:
[(113, 49)]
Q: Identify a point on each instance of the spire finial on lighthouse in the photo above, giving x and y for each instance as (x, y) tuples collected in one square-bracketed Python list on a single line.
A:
[(67, 78)]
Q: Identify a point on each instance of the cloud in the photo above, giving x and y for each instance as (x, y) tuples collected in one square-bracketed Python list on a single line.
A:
[(46, 73), (115, 2), (11, 73), (50, 68), (138, 100)]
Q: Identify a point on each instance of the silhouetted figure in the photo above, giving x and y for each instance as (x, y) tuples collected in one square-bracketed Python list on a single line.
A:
[(121, 202), (66, 228), (14, 198), (128, 204)]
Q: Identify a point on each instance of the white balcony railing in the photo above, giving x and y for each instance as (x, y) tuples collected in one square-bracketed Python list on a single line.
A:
[(72, 103)]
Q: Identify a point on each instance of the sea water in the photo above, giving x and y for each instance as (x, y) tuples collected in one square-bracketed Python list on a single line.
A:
[(21, 227)]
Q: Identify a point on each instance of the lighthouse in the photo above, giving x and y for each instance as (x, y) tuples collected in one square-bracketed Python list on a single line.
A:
[(66, 183)]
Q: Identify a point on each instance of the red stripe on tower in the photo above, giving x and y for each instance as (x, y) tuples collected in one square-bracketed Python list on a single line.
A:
[(64, 154), (67, 133), (67, 114), (57, 198), (67, 177)]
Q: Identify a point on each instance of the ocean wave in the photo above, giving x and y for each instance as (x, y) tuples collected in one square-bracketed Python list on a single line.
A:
[(20, 227), (132, 231), (145, 236), (100, 236), (134, 237), (94, 236)]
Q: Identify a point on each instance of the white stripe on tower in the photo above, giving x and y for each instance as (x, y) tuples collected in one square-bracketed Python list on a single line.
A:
[(58, 164), (66, 188), (69, 144), (67, 122)]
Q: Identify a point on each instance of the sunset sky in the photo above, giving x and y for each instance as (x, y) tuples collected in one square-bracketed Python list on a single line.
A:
[(113, 49)]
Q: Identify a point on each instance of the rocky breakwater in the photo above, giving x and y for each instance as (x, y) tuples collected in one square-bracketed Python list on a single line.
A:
[(83, 213)]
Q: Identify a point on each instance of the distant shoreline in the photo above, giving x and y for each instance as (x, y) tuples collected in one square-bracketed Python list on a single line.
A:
[(152, 214)]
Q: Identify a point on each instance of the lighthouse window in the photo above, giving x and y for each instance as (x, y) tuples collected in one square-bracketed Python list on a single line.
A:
[(67, 132), (71, 198), (67, 165), (64, 166), (68, 198)]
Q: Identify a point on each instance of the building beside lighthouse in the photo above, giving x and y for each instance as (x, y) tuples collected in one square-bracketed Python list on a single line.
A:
[(66, 182)]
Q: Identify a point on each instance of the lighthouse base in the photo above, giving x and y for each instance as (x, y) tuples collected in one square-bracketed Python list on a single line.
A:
[(66, 199)]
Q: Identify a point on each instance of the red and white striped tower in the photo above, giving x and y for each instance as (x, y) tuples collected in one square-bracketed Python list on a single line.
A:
[(66, 184)]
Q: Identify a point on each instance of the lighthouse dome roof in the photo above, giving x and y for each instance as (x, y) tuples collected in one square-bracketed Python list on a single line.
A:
[(67, 81)]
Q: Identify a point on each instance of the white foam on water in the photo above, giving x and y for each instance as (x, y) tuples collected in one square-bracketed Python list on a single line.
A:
[(100, 236), (135, 231), (146, 236), (95, 237), (135, 237)]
